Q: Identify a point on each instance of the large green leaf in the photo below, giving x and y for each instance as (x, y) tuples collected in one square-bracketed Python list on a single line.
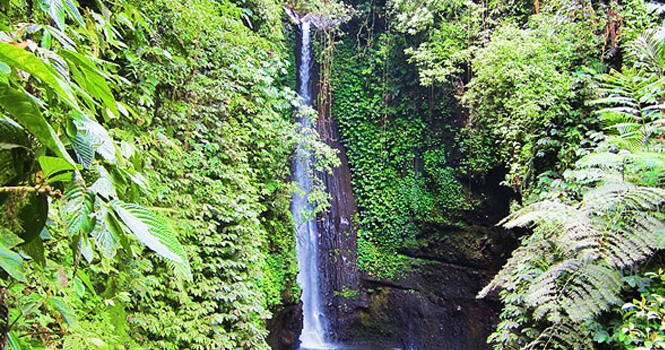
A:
[(79, 209), (12, 263), (91, 79), (85, 154), (92, 135), (27, 113), (151, 231), (35, 249), (26, 61), (53, 165)]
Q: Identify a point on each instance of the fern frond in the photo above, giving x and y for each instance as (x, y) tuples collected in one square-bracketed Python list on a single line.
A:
[(561, 336), (648, 50), (523, 260), (622, 197), (540, 212), (591, 290)]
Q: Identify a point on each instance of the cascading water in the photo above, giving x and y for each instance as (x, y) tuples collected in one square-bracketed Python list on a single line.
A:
[(307, 233)]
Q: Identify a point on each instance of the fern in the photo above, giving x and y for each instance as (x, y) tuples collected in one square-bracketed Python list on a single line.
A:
[(633, 106), (562, 337), (569, 270), (648, 50)]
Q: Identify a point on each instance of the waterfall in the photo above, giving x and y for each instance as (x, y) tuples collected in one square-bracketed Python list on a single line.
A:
[(307, 233)]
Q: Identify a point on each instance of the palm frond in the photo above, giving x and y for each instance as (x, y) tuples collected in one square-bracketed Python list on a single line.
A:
[(648, 50)]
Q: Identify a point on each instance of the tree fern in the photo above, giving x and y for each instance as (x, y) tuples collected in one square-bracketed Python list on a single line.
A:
[(561, 337), (633, 102), (569, 270)]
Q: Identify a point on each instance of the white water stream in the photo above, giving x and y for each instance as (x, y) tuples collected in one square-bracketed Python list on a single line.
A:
[(307, 234)]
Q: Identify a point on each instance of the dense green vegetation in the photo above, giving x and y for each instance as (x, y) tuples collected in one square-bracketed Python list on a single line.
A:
[(145, 149), (566, 96), (158, 124)]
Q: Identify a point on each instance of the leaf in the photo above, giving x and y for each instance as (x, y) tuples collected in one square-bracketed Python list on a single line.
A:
[(79, 208), (73, 11), (151, 231), (91, 79), (53, 165), (106, 233), (35, 250), (64, 310), (91, 135), (81, 275), (86, 248), (10, 239), (85, 154), (28, 114), (26, 61), (12, 135), (12, 263), (14, 341), (104, 185), (55, 10)]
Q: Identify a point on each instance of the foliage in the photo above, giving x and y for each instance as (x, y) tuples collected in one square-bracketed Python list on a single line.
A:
[(401, 170), (104, 105), (602, 220), (528, 88), (641, 325)]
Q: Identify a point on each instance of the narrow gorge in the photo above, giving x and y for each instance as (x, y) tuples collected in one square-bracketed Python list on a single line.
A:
[(332, 175), (431, 302)]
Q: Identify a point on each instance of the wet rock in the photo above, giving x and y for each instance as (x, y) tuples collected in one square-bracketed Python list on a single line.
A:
[(433, 307), (340, 278), (479, 246), (285, 327)]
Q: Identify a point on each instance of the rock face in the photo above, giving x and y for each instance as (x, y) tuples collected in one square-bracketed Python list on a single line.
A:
[(433, 305), (285, 327), (340, 279)]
